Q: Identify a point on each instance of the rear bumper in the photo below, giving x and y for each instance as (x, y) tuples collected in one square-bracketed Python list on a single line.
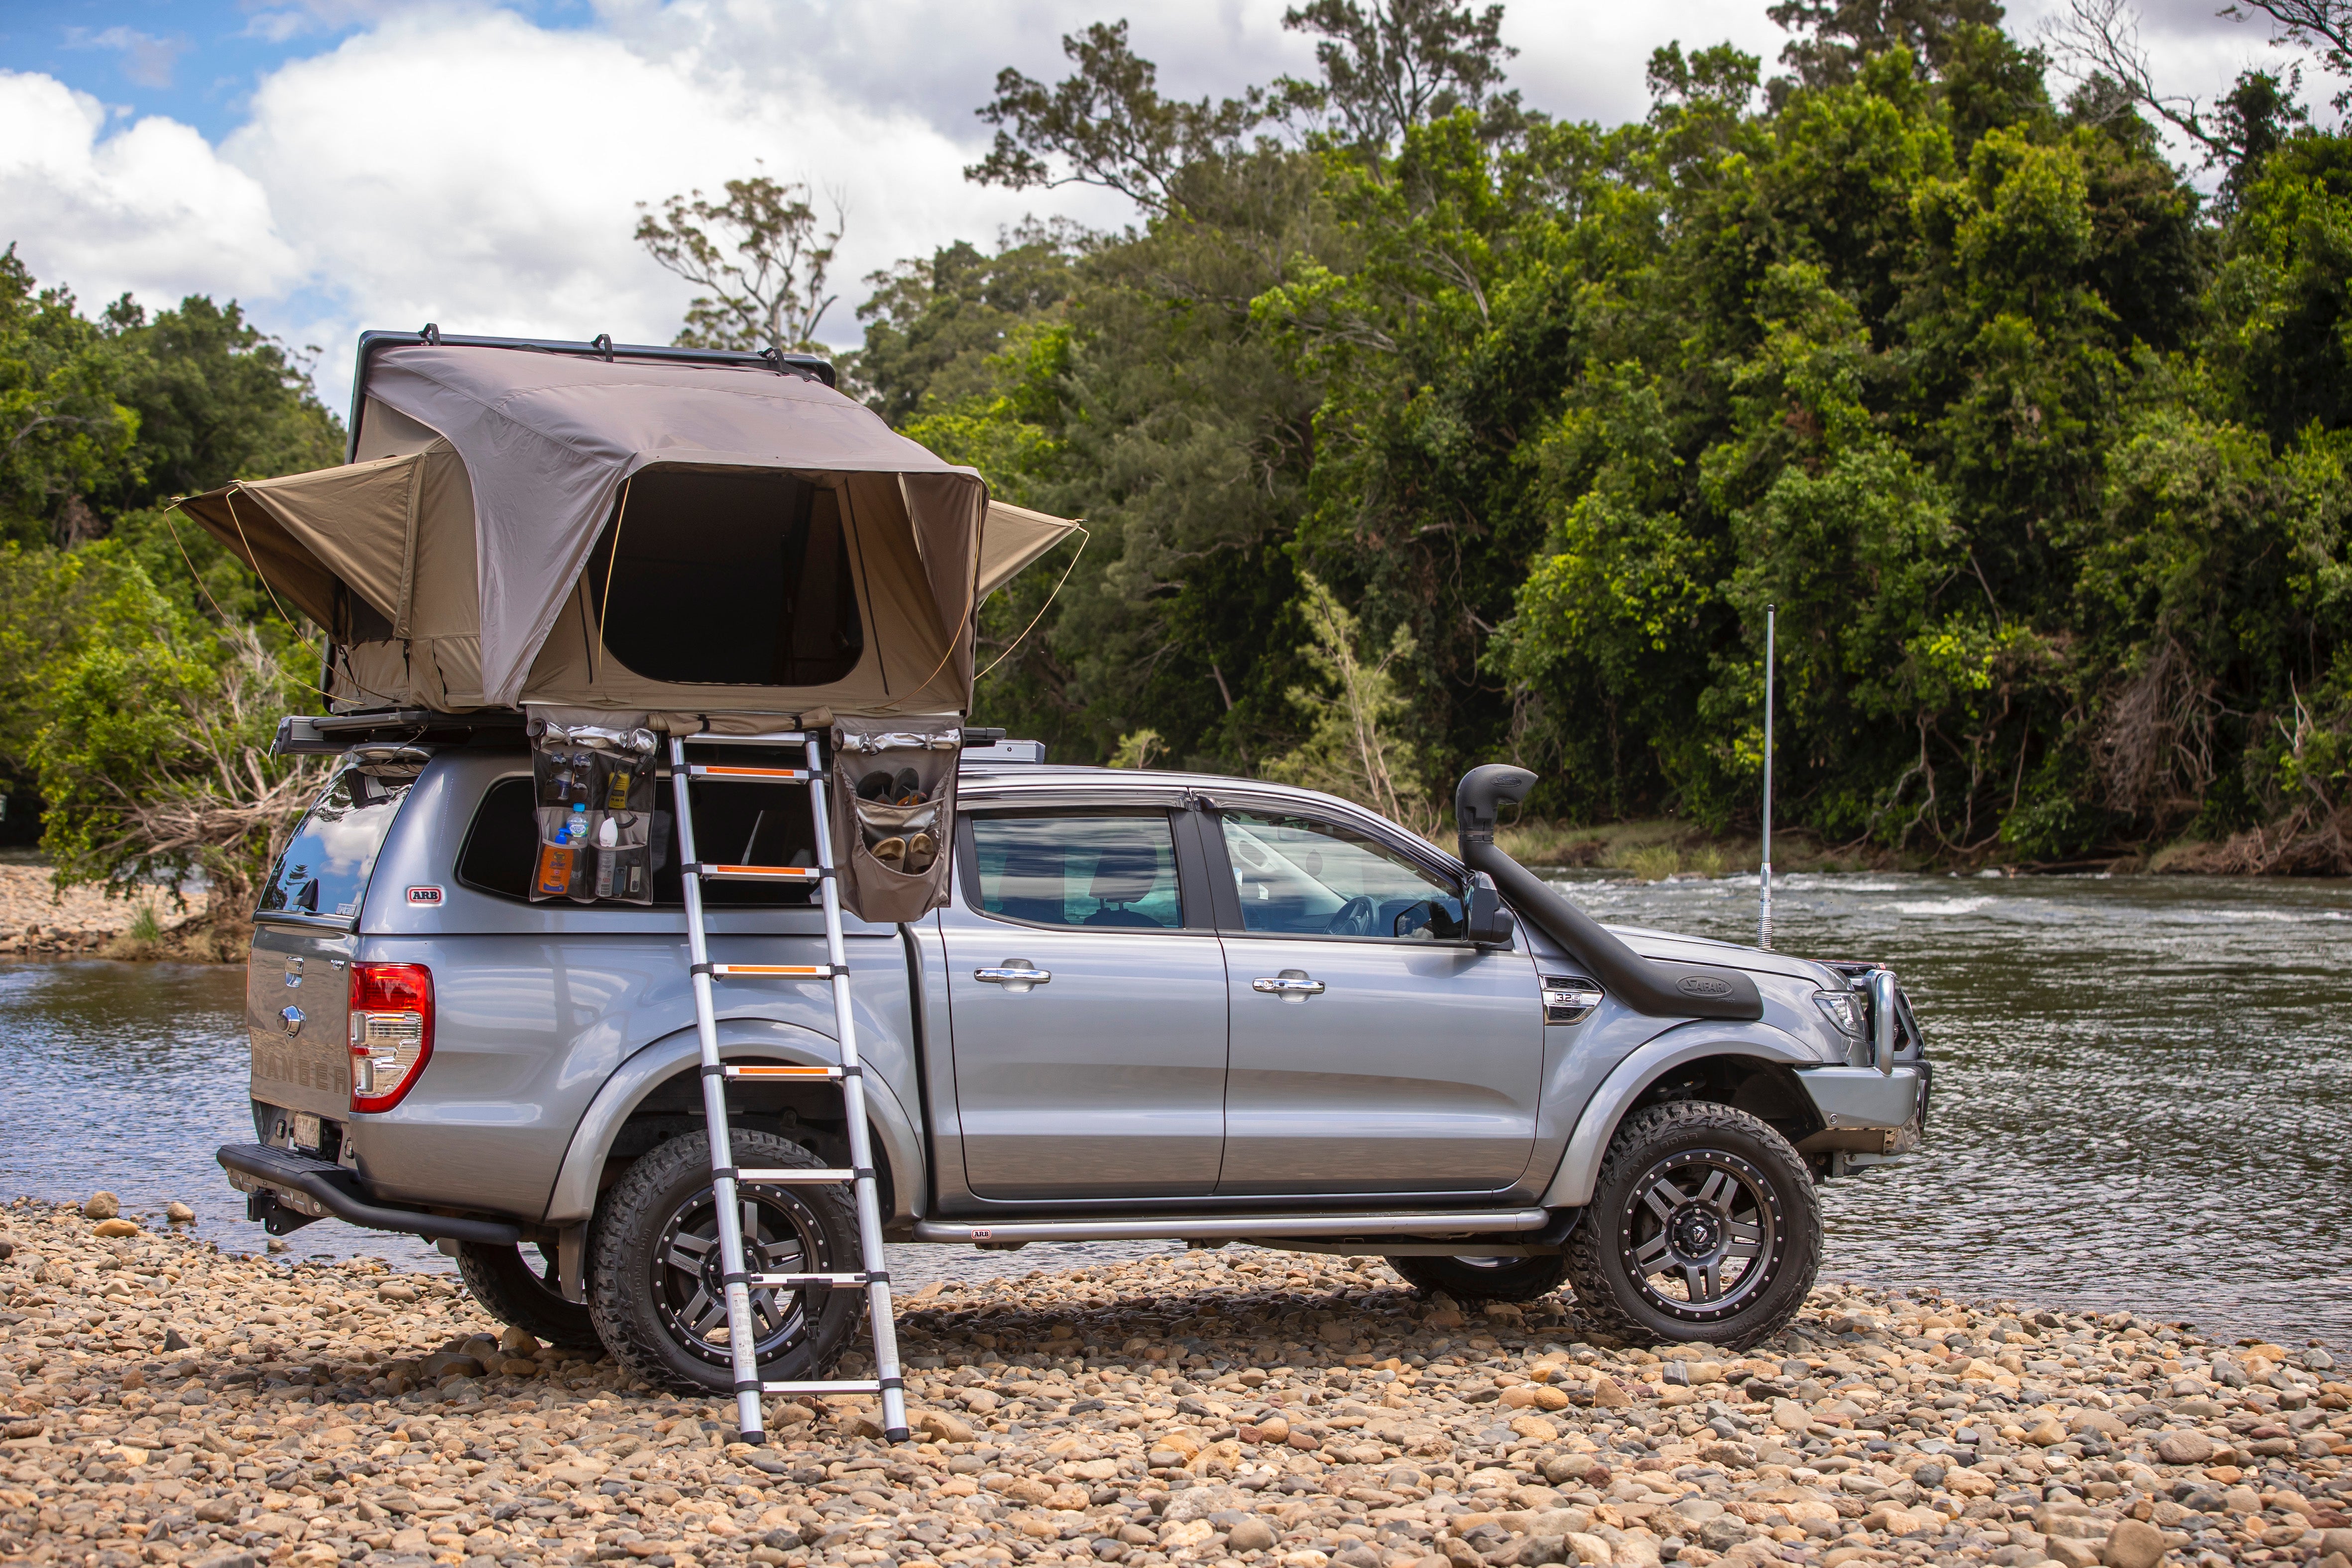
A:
[(319, 1189)]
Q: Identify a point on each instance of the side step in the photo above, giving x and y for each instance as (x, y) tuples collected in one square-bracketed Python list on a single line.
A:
[(1237, 1227)]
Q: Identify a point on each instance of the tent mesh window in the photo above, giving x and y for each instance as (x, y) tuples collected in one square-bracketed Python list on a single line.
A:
[(727, 576)]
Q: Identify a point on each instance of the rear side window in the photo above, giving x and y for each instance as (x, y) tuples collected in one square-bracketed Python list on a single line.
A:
[(733, 577), (1105, 872), (740, 824), (325, 869)]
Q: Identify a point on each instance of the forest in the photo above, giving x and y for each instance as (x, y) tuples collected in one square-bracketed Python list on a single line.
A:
[(1415, 427)]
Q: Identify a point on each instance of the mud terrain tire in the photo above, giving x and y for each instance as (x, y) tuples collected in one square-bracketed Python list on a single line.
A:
[(502, 1281), (1704, 1225), (653, 1267)]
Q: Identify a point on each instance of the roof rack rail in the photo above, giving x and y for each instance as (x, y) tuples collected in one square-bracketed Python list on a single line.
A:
[(811, 365), (330, 735)]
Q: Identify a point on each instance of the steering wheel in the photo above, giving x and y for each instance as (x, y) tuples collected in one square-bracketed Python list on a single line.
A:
[(1354, 919)]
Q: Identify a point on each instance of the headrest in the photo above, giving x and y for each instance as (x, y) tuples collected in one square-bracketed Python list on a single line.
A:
[(1125, 873)]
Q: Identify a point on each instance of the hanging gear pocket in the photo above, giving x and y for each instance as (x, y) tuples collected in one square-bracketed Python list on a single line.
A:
[(595, 794), (892, 793)]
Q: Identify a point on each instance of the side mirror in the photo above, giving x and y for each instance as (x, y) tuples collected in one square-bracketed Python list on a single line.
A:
[(1486, 922)]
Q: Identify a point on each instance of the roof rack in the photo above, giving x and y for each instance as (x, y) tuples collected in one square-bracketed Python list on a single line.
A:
[(601, 347), (330, 735)]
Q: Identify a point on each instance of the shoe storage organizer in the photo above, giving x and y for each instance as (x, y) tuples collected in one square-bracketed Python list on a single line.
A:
[(892, 794), (595, 792)]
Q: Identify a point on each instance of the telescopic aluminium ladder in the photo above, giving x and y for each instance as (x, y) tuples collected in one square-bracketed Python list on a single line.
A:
[(872, 1273)]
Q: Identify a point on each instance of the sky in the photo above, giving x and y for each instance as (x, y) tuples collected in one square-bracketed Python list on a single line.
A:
[(341, 164)]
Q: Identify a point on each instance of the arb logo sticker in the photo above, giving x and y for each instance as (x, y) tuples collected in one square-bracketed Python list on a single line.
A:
[(424, 896)]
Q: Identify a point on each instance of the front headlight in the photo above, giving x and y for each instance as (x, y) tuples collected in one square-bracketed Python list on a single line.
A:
[(1843, 1008)]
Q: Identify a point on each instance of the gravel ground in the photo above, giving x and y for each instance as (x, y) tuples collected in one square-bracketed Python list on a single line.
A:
[(35, 919), (166, 1402)]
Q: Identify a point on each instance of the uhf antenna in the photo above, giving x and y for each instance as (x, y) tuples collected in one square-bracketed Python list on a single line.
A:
[(1764, 914)]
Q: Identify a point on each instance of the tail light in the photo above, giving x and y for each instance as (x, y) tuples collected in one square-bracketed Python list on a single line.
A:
[(392, 1031)]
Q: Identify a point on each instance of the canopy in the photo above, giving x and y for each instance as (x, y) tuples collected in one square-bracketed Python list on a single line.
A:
[(524, 526)]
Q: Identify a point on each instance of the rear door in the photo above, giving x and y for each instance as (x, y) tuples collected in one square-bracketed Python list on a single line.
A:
[(1372, 1050), (298, 979), (1088, 1009)]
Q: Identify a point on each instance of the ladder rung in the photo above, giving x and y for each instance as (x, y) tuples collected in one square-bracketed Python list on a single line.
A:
[(791, 737), (805, 971), (790, 1173), (767, 1070), (710, 872), (794, 1281), (714, 774), (845, 1385)]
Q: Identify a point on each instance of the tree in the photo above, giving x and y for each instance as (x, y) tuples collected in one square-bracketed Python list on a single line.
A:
[(758, 257), (1838, 36), (64, 429), (2323, 26), (1352, 748), (933, 324), (1392, 64), (1106, 125), (217, 399)]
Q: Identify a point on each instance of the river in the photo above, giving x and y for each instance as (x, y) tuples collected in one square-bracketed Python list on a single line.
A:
[(2143, 1099)]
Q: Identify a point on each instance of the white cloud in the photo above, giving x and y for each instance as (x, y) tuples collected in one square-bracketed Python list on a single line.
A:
[(152, 208), (496, 192), (146, 58)]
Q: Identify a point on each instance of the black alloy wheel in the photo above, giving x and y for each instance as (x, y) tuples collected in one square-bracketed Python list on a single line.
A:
[(1704, 1226), (655, 1273)]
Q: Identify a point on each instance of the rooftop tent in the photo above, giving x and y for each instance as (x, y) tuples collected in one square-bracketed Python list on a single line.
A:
[(651, 534)]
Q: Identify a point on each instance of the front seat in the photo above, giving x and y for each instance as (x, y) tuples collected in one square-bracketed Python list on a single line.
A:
[(1124, 874)]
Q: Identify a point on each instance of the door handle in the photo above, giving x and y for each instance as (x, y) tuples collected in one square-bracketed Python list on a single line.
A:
[(1288, 984), (1015, 975)]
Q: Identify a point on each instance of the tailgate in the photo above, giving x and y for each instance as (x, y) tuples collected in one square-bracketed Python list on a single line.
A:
[(297, 1000)]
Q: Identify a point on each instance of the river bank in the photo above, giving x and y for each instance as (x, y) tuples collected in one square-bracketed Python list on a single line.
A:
[(167, 1402), (38, 921), (1658, 848)]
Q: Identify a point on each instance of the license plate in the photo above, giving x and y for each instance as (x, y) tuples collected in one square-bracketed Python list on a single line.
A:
[(304, 1134)]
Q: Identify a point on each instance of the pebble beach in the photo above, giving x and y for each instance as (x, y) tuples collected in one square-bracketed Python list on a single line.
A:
[(36, 920), (165, 1401)]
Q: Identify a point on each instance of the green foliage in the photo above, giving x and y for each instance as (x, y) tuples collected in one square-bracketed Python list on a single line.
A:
[(2040, 460), (142, 669), (64, 427), (1351, 748)]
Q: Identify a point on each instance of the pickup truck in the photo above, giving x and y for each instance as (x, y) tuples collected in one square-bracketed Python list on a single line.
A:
[(1159, 1005)]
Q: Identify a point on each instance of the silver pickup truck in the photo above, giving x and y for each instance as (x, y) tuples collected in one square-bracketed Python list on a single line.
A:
[(1159, 1005)]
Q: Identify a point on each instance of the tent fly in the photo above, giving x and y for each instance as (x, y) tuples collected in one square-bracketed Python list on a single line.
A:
[(698, 540)]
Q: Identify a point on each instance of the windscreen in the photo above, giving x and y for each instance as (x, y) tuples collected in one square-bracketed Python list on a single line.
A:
[(738, 577)]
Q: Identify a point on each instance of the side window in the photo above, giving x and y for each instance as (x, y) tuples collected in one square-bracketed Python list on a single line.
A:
[(324, 870), (744, 824), (1300, 877), (1116, 872)]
